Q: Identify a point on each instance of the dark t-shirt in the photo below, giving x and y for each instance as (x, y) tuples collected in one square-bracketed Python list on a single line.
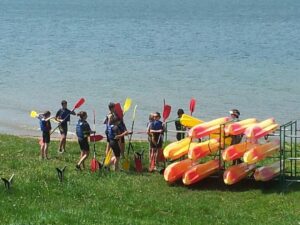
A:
[(64, 114)]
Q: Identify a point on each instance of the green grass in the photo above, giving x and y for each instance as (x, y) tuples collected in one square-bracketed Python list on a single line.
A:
[(37, 196)]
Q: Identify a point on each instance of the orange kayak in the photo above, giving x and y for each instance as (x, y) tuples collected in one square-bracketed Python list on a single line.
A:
[(237, 172), (207, 128), (177, 148), (267, 173), (260, 152), (203, 149), (261, 129), (239, 127), (176, 170), (200, 171), (236, 151)]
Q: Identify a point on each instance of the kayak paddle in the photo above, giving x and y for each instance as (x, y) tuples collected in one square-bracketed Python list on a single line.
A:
[(108, 158), (192, 105), (127, 105), (166, 112), (33, 114), (96, 137), (126, 163), (119, 111), (94, 162)]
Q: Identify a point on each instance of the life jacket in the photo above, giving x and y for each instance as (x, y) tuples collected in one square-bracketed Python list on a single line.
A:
[(112, 131), (82, 129), (45, 125), (157, 125), (156, 137)]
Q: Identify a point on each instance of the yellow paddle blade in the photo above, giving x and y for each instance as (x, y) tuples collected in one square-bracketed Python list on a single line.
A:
[(33, 114), (126, 164), (127, 105), (108, 158), (189, 121)]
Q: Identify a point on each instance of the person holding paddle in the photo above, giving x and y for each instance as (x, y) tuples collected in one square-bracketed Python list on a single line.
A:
[(83, 131), (63, 116), (110, 116), (115, 133), (45, 126)]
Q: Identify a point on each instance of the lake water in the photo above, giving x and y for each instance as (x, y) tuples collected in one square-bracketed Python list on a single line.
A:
[(226, 54)]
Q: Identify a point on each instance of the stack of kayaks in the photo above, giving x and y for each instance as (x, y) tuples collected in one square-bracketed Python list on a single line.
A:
[(190, 170)]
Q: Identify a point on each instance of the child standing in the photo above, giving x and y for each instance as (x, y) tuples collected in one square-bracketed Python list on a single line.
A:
[(110, 116), (83, 131), (115, 133), (63, 116), (45, 126), (156, 131)]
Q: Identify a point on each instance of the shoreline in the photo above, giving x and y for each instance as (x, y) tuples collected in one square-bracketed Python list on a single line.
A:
[(57, 138)]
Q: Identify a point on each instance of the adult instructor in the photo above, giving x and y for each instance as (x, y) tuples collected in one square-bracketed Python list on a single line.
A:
[(63, 116)]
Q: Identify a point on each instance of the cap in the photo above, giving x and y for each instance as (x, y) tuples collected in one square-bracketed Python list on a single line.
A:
[(235, 112)]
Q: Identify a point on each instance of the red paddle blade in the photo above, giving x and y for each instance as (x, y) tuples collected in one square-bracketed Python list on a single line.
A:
[(138, 164), (96, 137), (192, 105), (166, 112), (79, 103), (94, 165), (119, 110)]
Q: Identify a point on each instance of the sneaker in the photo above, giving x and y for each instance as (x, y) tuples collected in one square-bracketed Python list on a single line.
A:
[(61, 151)]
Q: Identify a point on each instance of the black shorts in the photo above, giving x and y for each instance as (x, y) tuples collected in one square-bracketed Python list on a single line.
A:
[(46, 137), (63, 129), (84, 144), (114, 144)]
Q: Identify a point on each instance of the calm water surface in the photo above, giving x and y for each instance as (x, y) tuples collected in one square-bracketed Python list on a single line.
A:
[(227, 54)]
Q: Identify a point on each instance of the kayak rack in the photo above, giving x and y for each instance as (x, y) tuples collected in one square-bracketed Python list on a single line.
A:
[(289, 154)]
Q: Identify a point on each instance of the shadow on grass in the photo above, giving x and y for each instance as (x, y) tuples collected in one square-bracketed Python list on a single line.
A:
[(217, 183)]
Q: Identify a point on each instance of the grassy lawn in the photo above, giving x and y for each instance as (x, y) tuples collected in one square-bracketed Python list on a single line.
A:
[(37, 196)]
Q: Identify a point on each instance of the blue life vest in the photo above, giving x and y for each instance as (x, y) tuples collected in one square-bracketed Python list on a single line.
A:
[(82, 129), (112, 131), (45, 125), (157, 125)]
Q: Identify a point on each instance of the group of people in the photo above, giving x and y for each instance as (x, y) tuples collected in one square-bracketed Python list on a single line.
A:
[(115, 134), (62, 116)]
